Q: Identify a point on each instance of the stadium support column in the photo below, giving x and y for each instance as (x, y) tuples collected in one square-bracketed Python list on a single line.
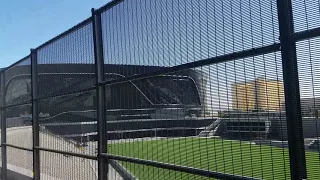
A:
[(35, 115), (100, 89), (3, 130), (291, 89)]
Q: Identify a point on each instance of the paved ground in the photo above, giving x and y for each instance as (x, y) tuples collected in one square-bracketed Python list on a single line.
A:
[(53, 166)]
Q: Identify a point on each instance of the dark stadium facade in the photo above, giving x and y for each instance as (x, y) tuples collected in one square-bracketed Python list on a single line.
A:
[(166, 105)]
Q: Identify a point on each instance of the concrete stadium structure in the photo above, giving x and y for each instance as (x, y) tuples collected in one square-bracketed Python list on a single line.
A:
[(164, 105), (258, 125)]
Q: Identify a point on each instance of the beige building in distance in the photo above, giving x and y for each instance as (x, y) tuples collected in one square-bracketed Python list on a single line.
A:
[(258, 94)]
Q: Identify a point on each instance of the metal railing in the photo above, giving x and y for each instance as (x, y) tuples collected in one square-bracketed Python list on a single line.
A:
[(82, 105)]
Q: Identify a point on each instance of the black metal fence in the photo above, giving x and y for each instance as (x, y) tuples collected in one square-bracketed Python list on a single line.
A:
[(169, 89)]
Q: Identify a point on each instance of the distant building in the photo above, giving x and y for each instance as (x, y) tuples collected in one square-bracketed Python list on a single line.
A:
[(259, 94)]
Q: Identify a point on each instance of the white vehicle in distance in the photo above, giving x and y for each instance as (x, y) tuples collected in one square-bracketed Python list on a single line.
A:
[(312, 143)]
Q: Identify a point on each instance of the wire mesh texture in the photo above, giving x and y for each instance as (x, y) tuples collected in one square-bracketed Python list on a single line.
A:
[(186, 89), (175, 118), (161, 118), (59, 166), (20, 162), (17, 114), (68, 122), (305, 15), (67, 64), (168, 33), (67, 109), (18, 83), (17, 103)]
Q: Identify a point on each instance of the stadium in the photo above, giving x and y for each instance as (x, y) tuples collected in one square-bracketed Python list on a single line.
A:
[(162, 110), (143, 108), (171, 105)]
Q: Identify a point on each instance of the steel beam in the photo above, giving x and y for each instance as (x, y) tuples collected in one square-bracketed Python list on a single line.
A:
[(3, 129), (35, 115), (100, 95), (291, 90)]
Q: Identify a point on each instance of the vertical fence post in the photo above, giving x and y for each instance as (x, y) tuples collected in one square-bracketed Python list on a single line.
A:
[(35, 115), (100, 89), (3, 130), (291, 89)]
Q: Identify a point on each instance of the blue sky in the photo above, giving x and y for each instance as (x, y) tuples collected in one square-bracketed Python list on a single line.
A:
[(166, 33), (28, 24)]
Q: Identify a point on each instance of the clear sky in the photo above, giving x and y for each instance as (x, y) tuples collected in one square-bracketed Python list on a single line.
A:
[(166, 33), (26, 24)]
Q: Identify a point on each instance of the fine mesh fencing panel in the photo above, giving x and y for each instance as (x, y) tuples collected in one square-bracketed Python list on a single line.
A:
[(19, 133), (306, 16), (19, 168), (20, 162), (18, 117), (67, 105), (19, 130), (168, 32), (67, 64), (18, 83), (68, 123), (308, 65), (17, 95), (59, 166), (221, 115), (225, 117)]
